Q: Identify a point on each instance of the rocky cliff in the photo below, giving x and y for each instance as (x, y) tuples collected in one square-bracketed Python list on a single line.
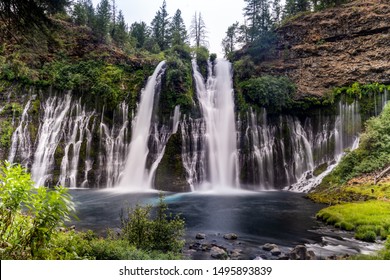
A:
[(335, 47)]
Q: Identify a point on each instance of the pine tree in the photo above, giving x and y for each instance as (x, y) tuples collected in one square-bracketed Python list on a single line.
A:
[(83, 13), (139, 31), (230, 40), (258, 16), (120, 34), (160, 24), (294, 7), (22, 15), (243, 33), (198, 31), (103, 19), (177, 30), (276, 11)]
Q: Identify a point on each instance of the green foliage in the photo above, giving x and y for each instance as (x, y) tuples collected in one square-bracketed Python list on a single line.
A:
[(119, 32), (102, 20), (373, 154), (320, 169), (213, 57), (73, 245), (367, 94), (369, 219), (177, 82), (105, 83), (162, 233), (28, 216), (139, 31), (6, 131), (27, 16), (323, 4), (244, 69), (294, 7), (177, 30), (160, 27), (258, 16), (274, 93), (13, 68), (202, 56), (263, 47)]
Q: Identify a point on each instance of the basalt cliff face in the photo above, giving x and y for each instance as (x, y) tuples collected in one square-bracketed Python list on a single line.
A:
[(335, 47)]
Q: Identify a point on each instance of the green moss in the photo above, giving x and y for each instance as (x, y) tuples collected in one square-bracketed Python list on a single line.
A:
[(202, 56), (170, 174), (370, 219), (320, 169), (177, 87), (35, 107), (6, 131)]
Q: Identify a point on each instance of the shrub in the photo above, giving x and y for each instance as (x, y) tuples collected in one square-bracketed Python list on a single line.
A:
[(213, 57), (202, 56), (29, 217), (162, 233), (274, 93)]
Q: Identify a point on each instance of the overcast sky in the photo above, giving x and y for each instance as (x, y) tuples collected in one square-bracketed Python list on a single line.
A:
[(217, 14)]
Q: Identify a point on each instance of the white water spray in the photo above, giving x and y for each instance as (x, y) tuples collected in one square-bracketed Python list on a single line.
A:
[(217, 104), (135, 174)]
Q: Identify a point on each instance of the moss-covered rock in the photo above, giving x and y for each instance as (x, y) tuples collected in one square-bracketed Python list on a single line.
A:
[(170, 174)]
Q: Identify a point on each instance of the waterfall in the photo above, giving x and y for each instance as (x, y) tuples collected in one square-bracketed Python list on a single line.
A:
[(49, 136), (193, 152), (217, 105), (21, 142), (135, 174), (113, 147), (76, 126), (176, 119), (159, 139)]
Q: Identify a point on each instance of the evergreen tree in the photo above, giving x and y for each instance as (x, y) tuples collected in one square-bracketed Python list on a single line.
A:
[(103, 20), (120, 34), (160, 24), (177, 30), (258, 16), (198, 31), (294, 7), (83, 13), (230, 40), (23, 15), (243, 33), (276, 11), (139, 31)]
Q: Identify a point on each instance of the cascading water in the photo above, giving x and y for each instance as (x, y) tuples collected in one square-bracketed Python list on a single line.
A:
[(80, 148), (76, 126), (135, 174), (113, 147), (217, 105), (49, 136), (21, 142), (193, 153)]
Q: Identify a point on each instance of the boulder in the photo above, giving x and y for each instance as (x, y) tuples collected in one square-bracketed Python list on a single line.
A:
[(236, 254), (269, 246), (300, 252), (230, 236), (276, 251), (218, 253), (200, 235)]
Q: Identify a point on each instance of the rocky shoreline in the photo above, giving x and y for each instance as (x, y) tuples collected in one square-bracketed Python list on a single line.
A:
[(229, 247)]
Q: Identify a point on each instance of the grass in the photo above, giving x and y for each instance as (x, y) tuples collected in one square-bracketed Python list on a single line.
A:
[(350, 193), (74, 245), (370, 219)]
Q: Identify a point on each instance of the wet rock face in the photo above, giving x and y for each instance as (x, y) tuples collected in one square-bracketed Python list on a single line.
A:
[(335, 47)]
